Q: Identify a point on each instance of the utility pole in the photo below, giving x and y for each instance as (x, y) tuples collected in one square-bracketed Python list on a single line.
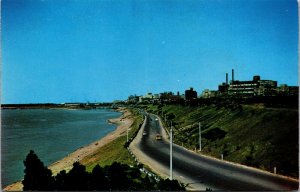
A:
[(200, 147), (171, 152), (127, 134)]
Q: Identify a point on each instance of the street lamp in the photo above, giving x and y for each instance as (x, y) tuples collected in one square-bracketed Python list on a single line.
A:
[(127, 134), (200, 147), (171, 152)]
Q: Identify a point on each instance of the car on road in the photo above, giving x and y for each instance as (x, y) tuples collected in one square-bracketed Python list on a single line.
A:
[(158, 137)]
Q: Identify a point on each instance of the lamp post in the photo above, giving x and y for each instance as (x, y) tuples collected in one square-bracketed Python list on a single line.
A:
[(127, 134), (171, 152), (200, 147)]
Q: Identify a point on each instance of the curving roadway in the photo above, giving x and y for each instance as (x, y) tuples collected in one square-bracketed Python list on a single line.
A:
[(198, 171)]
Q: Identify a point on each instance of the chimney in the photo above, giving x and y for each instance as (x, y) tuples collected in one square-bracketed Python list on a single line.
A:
[(232, 75), (226, 78)]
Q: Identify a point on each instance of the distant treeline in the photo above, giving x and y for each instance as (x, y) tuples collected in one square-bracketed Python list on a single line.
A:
[(116, 177)]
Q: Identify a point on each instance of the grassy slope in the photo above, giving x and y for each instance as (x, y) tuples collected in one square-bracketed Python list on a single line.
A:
[(114, 151), (254, 135)]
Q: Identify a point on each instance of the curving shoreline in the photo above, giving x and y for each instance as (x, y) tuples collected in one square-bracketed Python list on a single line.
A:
[(123, 122)]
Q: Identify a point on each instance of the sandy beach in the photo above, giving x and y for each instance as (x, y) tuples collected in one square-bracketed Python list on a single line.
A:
[(123, 122)]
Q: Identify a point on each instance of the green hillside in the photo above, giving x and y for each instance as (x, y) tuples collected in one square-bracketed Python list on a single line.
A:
[(114, 151), (253, 135)]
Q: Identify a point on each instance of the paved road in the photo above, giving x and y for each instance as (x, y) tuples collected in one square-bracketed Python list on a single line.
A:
[(202, 172)]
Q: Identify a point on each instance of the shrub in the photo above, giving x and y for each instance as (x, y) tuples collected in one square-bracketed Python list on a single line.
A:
[(116, 177)]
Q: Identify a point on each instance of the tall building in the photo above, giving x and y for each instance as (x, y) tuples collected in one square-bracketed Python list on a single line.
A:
[(190, 94), (254, 87)]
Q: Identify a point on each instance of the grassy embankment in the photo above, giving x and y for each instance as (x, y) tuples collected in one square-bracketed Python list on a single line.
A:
[(248, 134), (114, 151)]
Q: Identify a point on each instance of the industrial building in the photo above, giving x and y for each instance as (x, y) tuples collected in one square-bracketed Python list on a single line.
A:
[(254, 87)]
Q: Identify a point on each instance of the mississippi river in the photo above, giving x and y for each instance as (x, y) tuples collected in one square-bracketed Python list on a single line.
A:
[(52, 134)]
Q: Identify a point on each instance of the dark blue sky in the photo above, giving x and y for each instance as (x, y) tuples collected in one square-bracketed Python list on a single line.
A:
[(102, 50)]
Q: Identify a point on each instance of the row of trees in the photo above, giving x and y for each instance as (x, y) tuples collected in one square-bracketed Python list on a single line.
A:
[(116, 177)]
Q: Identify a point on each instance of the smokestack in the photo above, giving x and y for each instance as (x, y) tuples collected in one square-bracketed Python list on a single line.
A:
[(232, 75), (226, 78)]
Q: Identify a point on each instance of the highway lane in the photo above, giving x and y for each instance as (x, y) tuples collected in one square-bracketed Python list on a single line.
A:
[(197, 169)]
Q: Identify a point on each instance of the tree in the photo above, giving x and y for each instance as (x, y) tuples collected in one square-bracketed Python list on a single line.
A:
[(170, 185), (148, 185), (37, 176), (171, 116), (98, 180), (118, 177), (78, 178), (61, 181)]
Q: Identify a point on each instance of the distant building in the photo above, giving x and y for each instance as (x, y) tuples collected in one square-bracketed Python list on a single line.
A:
[(156, 96), (146, 98), (293, 90), (190, 94), (254, 87), (133, 99), (209, 93), (223, 88), (285, 90), (266, 88), (234, 88), (149, 97), (169, 97), (72, 104)]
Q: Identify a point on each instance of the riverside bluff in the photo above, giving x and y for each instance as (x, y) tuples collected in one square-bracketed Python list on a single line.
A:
[(124, 122)]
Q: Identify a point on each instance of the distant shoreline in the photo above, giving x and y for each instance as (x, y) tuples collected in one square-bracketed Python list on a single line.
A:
[(57, 106)]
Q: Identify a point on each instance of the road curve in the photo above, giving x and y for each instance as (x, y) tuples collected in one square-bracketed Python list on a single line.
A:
[(198, 171)]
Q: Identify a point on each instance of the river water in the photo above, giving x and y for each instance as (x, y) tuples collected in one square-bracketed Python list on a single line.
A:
[(52, 134)]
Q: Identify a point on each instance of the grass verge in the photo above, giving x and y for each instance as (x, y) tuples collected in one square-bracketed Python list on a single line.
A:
[(115, 150)]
